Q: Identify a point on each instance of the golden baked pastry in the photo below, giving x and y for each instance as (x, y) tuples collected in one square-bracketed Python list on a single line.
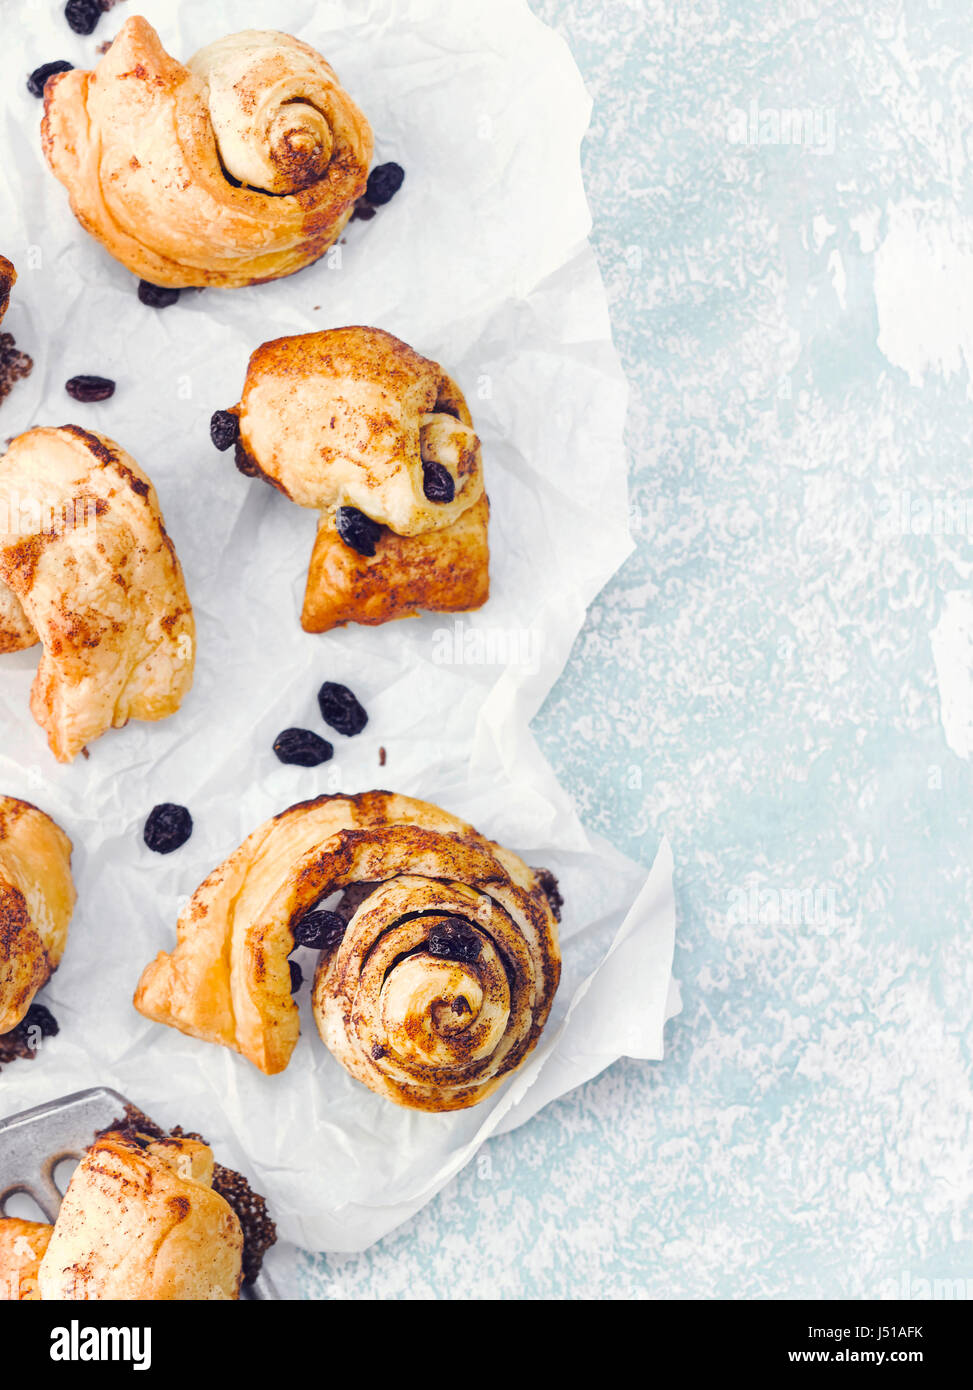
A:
[(22, 1246), (141, 1221), (8, 278), (379, 440), (440, 985), (92, 574), (241, 166), (36, 901)]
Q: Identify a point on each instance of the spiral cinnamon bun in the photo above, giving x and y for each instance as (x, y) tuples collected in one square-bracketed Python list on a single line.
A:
[(379, 440), (241, 166), (438, 987), (8, 278), (36, 902), (87, 567)]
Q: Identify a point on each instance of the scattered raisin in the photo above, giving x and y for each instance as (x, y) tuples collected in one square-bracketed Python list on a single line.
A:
[(340, 709), (548, 885), (358, 530), (456, 940), (364, 212), (83, 15), (40, 1016), (437, 482), (156, 296), (37, 79), (297, 976), (460, 1005), (383, 183), (167, 827), (90, 388), (378, 1051), (322, 931), (302, 747), (224, 429)]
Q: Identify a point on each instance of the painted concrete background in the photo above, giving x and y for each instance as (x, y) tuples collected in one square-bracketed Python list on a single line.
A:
[(779, 678)]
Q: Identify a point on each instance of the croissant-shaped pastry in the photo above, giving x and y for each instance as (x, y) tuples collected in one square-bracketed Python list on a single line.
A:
[(380, 441), (441, 983), (239, 167), (22, 1246), (36, 901), (87, 567), (140, 1220), (8, 278)]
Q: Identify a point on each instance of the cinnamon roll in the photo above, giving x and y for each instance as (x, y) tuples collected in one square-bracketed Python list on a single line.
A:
[(87, 568), (241, 166), (36, 901), (437, 984), (379, 440), (8, 278)]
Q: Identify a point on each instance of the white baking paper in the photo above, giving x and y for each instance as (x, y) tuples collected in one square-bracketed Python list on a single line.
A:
[(480, 262)]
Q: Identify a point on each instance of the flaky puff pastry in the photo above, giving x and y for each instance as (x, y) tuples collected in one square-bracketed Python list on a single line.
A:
[(354, 418), (441, 985), (85, 556), (141, 1221), (36, 901), (22, 1246), (241, 166)]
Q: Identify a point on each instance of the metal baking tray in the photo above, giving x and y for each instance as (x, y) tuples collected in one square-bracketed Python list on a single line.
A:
[(36, 1142)]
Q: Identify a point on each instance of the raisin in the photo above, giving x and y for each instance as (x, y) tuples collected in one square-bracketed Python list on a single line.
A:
[(40, 1016), (455, 940), (83, 15), (297, 976), (90, 388), (358, 530), (363, 212), (302, 747), (437, 482), (37, 79), (168, 826), (460, 1005), (340, 709), (383, 183), (548, 885), (156, 296), (322, 931), (378, 1051), (224, 428)]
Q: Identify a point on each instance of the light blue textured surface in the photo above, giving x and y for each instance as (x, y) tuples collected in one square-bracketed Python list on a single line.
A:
[(758, 682)]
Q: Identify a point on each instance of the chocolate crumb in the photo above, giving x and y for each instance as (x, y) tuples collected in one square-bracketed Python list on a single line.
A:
[(21, 1043), (381, 757), (14, 365)]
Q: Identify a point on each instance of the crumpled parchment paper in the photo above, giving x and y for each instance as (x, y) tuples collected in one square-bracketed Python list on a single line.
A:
[(480, 262)]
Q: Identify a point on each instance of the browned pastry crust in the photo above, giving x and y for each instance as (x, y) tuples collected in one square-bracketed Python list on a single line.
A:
[(241, 166), (140, 1221), (351, 417), (22, 1247), (8, 278), (427, 1031), (36, 901), (95, 576)]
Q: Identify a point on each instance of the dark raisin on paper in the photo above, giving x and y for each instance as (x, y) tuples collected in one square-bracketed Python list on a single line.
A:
[(321, 930), (358, 530), (302, 748), (437, 482), (90, 388), (384, 182), (168, 826), (341, 709), (224, 429), (37, 79), (455, 940), (156, 296), (21, 1043), (83, 15), (297, 976)]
